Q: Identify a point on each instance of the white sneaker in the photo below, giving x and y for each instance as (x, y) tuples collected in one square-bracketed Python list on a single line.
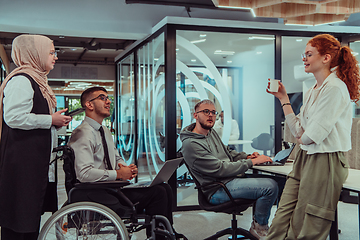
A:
[(259, 231)]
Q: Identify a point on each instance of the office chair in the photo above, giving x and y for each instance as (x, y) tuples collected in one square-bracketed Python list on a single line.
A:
[(263, 142), (234, 207)]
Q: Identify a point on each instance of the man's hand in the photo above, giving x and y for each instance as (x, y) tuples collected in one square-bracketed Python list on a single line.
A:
[(253, 155), (134, 170), (261, 159), (126, 172)]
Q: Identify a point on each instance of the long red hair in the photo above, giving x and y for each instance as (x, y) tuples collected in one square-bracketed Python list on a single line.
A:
[(347, 68)]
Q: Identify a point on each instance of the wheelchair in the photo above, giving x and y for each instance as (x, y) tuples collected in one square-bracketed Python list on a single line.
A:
[(92, 220)]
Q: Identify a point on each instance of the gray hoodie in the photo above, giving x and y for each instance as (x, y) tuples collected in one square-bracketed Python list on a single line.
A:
[(210, 160)]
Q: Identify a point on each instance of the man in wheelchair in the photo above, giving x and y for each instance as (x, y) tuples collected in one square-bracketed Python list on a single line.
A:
[(97, 159)]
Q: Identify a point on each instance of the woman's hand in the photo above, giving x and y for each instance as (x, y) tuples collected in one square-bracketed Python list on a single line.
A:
[(281, 94), (60, 120)]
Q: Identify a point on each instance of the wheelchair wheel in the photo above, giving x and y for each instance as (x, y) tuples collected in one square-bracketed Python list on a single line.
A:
[(84, 220)]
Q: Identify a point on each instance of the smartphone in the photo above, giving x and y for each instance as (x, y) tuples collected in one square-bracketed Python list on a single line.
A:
[(75, 112)]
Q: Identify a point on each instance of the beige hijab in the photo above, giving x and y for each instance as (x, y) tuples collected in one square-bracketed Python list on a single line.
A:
[(30, 54)]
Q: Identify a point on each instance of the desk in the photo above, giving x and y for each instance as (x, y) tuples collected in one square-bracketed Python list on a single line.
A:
[(239, 142), (351, 184)]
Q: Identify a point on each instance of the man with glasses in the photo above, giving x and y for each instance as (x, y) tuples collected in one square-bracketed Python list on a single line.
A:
[(97, 159), (210, 160)]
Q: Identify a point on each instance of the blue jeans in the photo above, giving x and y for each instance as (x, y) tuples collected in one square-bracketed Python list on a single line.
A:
[(265, 190)]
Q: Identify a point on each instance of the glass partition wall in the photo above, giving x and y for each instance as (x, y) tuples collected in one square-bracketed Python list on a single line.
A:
[(355, 46), (229, 69), (162, 78), (125, 110), (151, 107)]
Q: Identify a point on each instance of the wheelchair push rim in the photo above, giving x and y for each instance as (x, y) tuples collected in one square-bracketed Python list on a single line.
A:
[(84, 220)]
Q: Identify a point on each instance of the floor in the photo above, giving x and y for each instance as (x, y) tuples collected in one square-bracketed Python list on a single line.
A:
[(197, 225)]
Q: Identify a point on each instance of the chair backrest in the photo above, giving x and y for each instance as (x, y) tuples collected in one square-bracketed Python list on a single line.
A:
[(263, 142)]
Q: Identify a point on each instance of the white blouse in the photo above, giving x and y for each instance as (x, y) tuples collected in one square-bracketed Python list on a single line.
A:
[(324, 121), (18, 102)]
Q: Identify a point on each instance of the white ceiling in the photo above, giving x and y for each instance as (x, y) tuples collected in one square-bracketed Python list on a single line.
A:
[(115, 19), (105, 18)]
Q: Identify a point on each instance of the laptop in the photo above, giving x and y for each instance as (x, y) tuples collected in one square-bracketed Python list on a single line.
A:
[(280, 158), (163, 175)]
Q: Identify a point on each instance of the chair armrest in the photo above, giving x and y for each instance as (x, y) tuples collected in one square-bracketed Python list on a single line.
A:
[(222, 185)]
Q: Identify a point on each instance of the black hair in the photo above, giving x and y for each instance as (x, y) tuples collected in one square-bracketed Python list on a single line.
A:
[(85, 95)]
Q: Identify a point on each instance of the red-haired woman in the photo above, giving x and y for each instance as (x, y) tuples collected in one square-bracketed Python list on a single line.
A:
[(308, 203)]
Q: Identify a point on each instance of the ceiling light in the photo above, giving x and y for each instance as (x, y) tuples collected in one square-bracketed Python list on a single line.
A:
[(177, 49), (202, 35), (221, 52), (253, 12), (229, 61), (355, 53), (299, 40), (199, 41), (261, 38), (156, 59), (258, 53), (240, 8), (233, 7), (193, 60), (298, 24), (80, 83), (93, 43), (329, 23)]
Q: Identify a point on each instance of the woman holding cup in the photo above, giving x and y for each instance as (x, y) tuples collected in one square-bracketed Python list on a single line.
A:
[(322, 128)]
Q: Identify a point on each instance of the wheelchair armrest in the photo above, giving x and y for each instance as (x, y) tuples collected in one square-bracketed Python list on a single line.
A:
[(102, 184), (111, 186), (61, 148)]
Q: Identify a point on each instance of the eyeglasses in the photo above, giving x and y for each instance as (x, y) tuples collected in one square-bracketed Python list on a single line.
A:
[(101, 97), (54, 54), (207, 112), (306, 55)]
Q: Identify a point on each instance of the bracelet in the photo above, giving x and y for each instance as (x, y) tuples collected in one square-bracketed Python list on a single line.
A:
[(286, 104)]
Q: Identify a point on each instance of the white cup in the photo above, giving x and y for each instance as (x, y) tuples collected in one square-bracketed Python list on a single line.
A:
[(274, 85)]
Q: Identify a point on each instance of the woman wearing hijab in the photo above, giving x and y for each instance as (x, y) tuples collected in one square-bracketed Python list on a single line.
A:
[(28, 135)]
